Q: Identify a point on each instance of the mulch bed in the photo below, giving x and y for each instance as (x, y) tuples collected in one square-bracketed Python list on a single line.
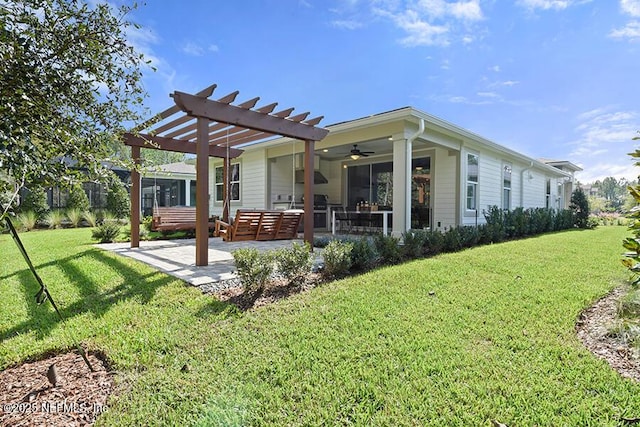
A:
[(80, 396)]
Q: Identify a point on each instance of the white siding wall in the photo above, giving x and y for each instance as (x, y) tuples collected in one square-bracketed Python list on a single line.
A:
[(252, 182), (444, 169), (282, 179), (535, 184)]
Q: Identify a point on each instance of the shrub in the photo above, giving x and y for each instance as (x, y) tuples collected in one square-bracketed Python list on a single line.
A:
[(147, 222), (35, 200), (27, 220), (388, 247), (337, 259), (469, 236), (452, 240), (75, 217), (580, 207), (54, 218), (433, 242), (106, 232), (496, 231), (78, 198), (413, 243), (363, 254), (295, 263), (143, 233), (118, 202), (321, 241), (91, 218), (254, 269), (563, 219)]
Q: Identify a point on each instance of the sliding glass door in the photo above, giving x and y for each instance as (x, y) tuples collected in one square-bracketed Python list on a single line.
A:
[(371, 184)]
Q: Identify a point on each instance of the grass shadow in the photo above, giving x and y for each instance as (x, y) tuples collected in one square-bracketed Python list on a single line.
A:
[(42, 320)]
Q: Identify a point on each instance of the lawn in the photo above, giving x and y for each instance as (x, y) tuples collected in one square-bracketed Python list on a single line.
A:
[(459, 339)]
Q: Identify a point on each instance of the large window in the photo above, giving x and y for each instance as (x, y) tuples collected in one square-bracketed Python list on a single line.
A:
[(472, 182), (370, 184), (234, 181), (548, 194), (506, 187)]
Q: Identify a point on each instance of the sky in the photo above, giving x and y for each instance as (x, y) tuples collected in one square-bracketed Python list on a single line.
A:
[(556, 79)]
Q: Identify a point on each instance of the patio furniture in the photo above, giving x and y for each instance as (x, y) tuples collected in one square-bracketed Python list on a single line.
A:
[(175, 218), (260, 225)]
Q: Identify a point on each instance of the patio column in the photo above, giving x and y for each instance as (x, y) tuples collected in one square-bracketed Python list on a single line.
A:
[(135, 198), (187, 192), (401, 186), (308, 191), (202, 192)]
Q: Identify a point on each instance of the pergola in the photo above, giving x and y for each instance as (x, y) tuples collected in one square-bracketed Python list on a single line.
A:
[(216, 128)]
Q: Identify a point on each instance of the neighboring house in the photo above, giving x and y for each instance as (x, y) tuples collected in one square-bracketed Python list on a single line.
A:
[(174, 184), (428, 172)]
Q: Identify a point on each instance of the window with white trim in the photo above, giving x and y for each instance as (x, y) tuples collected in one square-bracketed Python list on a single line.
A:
[(234, 182), (472, 182), (506, 186), (548, 194)]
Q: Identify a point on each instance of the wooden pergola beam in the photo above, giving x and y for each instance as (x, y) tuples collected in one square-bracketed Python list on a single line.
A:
[(180, 146), (227, 113)]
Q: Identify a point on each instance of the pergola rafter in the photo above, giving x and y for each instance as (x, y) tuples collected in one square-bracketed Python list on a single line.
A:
[(217, 128)]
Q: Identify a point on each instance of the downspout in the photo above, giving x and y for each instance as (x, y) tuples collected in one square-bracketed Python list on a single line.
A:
[(409, 158), (522, 183)]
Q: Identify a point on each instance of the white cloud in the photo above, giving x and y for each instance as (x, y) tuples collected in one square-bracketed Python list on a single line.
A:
[(604, 133), (550, 4), (488, 95), (630, 7), (193, 49), (431, 22), (495, 68), (213, 48), (347, 24), (630, 31)]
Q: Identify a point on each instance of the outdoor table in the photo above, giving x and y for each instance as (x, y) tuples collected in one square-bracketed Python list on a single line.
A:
[(367, 213)]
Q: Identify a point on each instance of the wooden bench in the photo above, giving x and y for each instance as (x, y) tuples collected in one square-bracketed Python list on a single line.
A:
[(175, 218), (260, 225)]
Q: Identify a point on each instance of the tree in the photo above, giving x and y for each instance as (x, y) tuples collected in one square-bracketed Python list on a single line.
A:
[(117, 198), (78, 198), (68, 77), (580, 207), (35, 199), (632, 244)]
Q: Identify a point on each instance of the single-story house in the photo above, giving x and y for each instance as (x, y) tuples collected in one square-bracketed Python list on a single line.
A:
[(424, 171), (174, 185)]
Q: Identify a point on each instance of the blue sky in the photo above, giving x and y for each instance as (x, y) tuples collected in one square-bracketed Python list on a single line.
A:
[(549, 78)]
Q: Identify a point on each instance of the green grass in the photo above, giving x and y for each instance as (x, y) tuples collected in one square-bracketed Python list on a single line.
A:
[(455, 340)]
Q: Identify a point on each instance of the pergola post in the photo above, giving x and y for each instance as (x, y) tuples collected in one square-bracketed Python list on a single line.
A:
[(135, 198), (202, 192), (308, 191)]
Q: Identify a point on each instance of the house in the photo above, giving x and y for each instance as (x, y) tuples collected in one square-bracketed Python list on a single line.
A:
[(424, 171), (174, 184)]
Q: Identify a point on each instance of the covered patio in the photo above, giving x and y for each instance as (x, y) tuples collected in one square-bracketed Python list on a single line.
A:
[(216, 128)]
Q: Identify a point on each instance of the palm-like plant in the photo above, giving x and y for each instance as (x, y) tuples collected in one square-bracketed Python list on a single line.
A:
[(54, 218), (74, 216)]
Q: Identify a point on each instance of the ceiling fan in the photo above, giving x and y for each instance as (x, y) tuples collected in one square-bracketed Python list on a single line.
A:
[(355, 153)]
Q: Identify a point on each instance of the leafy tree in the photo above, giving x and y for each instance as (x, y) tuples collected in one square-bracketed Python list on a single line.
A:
[(35, 200), (632, 244), (78, 198), (68, 78), (580, 206), (117, 198)]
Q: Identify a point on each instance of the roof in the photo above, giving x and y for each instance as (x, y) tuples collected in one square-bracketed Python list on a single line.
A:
[(177, 168), (562, 164)]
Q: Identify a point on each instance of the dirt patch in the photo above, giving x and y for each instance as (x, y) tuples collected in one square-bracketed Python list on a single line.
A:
[(79, 396), (593, 328)]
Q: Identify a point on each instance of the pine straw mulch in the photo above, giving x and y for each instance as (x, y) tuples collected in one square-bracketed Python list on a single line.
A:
[(28, 399)]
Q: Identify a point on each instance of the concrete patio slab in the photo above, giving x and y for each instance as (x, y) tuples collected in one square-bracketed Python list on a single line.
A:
[(177, 257)]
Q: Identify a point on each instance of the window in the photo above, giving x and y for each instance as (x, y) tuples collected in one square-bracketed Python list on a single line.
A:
[(472, 182), (548, 198), (506, 187), (234, 182)]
